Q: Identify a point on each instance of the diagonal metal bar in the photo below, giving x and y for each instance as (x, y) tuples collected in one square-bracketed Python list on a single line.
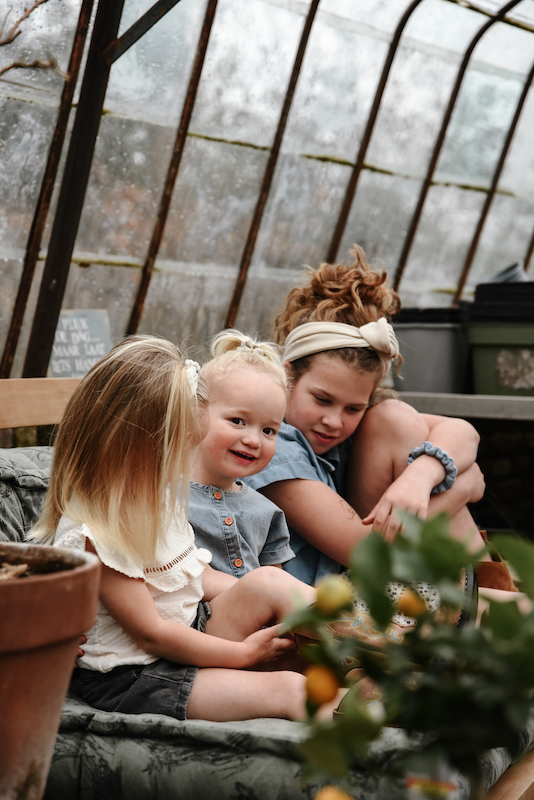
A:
[(366, 138), (117, 48), (410, 236), (172, 172), (269, 170), (72, 190), (528, 254), (489, 197), (35, 237)]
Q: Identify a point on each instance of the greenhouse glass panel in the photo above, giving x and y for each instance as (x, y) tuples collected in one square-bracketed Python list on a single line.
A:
[(213, 202), (248, 63)]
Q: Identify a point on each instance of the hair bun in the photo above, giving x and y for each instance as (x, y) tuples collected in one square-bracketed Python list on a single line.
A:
[(353, 295)]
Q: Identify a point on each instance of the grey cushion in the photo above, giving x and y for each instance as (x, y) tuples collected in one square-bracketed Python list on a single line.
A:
[(100, 755), (24, 477)]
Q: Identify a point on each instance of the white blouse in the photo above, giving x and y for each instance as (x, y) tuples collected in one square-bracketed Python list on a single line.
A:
[(174, 582)]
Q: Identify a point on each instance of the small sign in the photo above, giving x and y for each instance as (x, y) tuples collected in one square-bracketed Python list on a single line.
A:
[(82, 338)]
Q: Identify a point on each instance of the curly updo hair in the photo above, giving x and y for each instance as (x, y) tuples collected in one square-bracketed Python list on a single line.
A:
[(353, 294)]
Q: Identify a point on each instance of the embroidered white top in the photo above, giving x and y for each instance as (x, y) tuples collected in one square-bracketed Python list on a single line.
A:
[(174, 582)]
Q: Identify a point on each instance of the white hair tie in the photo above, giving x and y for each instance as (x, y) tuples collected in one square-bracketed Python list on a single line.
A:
[(191, 370), (248, 344)]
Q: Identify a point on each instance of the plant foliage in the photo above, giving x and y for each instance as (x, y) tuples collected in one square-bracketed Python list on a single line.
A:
[(470, 688)]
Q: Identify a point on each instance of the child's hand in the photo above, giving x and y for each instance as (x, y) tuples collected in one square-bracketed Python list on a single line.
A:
[(409, 492), (266, 645)]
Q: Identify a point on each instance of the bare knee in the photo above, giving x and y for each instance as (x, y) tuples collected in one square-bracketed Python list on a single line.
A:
[(281, 586), (289, 694)]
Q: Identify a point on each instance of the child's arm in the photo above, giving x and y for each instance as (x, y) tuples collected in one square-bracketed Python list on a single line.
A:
[(129, 602), (379, 477), (382, 481), (469, 488), (325, 520), (320, 515)]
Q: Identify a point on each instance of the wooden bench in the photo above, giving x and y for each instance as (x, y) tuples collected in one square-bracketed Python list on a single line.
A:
[(517, 783), (25, 402)]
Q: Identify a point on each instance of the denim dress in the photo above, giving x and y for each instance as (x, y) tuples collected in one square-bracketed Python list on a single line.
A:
[(242, 530)]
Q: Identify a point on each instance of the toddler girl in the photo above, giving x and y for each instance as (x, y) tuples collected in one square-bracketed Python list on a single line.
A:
[(242, 529), (172, 635)]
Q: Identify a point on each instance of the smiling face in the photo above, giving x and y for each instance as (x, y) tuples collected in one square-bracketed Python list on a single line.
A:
[(328, 401), (245, 413)]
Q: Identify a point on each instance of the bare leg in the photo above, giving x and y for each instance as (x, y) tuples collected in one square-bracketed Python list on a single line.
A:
[(463, 527), (382, 443), (384, 439), (262, 596), (224, 694), (227, 694)]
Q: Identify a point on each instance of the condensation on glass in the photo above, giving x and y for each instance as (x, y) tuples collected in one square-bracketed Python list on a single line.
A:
[(248, 64)]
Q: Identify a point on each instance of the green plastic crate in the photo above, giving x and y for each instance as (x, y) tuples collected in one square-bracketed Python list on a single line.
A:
[(503, 358)]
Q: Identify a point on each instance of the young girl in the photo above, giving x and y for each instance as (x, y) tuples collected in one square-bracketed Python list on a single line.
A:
[(121, 457), (242, 529), (339, 346)]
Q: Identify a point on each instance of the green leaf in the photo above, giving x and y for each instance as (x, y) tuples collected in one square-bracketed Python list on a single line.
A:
[(445, 555), (408, 565), (412, 526), (326, 754), (380, 608), (505, 619), (520, 554), (370, 564)]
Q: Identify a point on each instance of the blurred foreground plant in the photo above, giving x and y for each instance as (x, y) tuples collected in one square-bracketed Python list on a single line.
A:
[(469, 688)]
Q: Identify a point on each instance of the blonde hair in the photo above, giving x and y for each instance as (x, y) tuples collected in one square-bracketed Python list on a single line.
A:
[(233, 350), (122, 445), (354, 295)]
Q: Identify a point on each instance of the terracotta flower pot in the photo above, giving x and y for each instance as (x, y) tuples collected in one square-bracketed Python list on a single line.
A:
[(41, 620)]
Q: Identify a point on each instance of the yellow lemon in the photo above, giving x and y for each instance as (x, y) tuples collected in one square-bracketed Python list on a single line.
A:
[(333, 594), (411, 604), (321, 684), (332, 793)]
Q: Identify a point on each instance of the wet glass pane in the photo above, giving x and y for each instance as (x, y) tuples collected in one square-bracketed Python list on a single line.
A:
[(449, 219), (103, 286), (44, 36), (149, 82), (297, 224), (478, 128), (28, 106), (380, 216), (25, 132), (124, 187), (262, 300), (11, 272), (188, 307), (213, 203), (330, 123), (505, 238), (248, 64)]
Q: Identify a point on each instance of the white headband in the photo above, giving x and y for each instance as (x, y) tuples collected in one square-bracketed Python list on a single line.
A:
[(316, 337), (191, 370)]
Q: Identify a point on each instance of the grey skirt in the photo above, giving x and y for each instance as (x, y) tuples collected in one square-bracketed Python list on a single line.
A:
[(162, 687)]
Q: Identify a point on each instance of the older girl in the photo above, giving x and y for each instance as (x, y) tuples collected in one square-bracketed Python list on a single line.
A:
[(344, 460)]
